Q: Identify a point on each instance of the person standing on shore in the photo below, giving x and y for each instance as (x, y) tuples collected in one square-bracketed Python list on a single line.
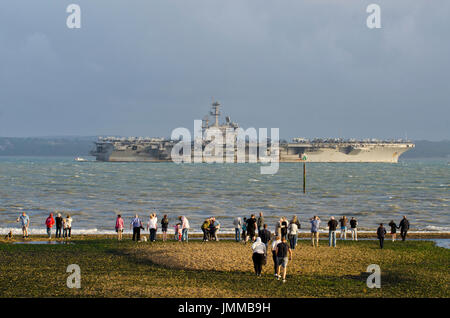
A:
[(284, 227), (283, 251), (381, 232), (59, 225), (237, 222), (24, 220), (67, 227), (354, 229), (49, 222), (265, 235), (152, 226), (251, 228), (136, 225), (278, 227), (332, 225), (244, 230), (205, 229), (293, 235), (214, 228), (404, 227), (274, 254), (184, 228), (296, 221), (259, 253), (119, 227), (394, 228), (343, 222), (164, 227), (260, 222), (315, 222), (178, 232)]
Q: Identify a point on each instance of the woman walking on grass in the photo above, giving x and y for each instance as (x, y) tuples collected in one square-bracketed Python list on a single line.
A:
[(274, 254), (119, 227), (293, 235), (393, 230), (259, 254)]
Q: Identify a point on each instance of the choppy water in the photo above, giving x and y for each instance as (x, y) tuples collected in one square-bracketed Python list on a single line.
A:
[(93, 192)]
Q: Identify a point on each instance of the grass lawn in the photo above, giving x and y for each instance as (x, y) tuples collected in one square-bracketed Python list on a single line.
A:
[(220, 269)]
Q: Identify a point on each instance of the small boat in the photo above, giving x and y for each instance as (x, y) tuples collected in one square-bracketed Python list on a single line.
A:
[(79, 159)]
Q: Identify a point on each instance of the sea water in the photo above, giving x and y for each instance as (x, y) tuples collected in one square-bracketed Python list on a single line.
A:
[(93, 193)]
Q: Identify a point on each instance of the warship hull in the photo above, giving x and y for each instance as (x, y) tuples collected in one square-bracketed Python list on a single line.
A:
[(329, 152)]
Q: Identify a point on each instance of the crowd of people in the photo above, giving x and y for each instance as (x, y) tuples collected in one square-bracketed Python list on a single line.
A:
[(254, 229), (63, 225), (245, 229), (136, 225)]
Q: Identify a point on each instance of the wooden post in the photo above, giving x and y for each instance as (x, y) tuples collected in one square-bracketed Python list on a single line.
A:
[(304, 177)]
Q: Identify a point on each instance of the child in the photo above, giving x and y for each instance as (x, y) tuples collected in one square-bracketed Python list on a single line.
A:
[(119, 227), (178, 232)]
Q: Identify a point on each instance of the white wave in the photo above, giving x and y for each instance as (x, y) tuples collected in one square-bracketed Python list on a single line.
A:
[(95, 231)]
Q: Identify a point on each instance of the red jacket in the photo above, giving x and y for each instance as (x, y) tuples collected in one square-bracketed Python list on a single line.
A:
[(50, 221)]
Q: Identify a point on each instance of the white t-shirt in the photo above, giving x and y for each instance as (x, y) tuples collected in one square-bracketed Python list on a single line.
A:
[(293, 229), (274, 244), (152, 223), (237, 222), (259, 247), (185, 224)]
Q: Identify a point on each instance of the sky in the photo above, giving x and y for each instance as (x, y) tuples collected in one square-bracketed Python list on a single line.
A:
[(143, 68)]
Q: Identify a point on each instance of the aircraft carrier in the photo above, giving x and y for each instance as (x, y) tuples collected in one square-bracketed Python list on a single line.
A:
[(140, 149)]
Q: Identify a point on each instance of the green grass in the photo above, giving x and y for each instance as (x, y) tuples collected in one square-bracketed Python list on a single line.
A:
[(127, 269)]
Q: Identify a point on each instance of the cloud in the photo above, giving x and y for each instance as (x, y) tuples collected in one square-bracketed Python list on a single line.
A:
[(311, 68)]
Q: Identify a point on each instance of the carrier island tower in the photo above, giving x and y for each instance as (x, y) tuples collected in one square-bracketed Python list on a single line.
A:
[(140, 149)]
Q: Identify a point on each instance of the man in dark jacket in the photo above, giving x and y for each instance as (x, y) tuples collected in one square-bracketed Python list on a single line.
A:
[(332, 225), (381, 232), (404, 227), (264, 234), (59, 225), (251, 228)]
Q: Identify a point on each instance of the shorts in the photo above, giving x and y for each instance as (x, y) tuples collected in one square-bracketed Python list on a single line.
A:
[(343, 228), (164, 229), (282, 261), (24, 228), (313, 232)]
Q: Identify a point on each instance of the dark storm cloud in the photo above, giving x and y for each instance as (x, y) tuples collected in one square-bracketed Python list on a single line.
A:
[(311, 68)]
